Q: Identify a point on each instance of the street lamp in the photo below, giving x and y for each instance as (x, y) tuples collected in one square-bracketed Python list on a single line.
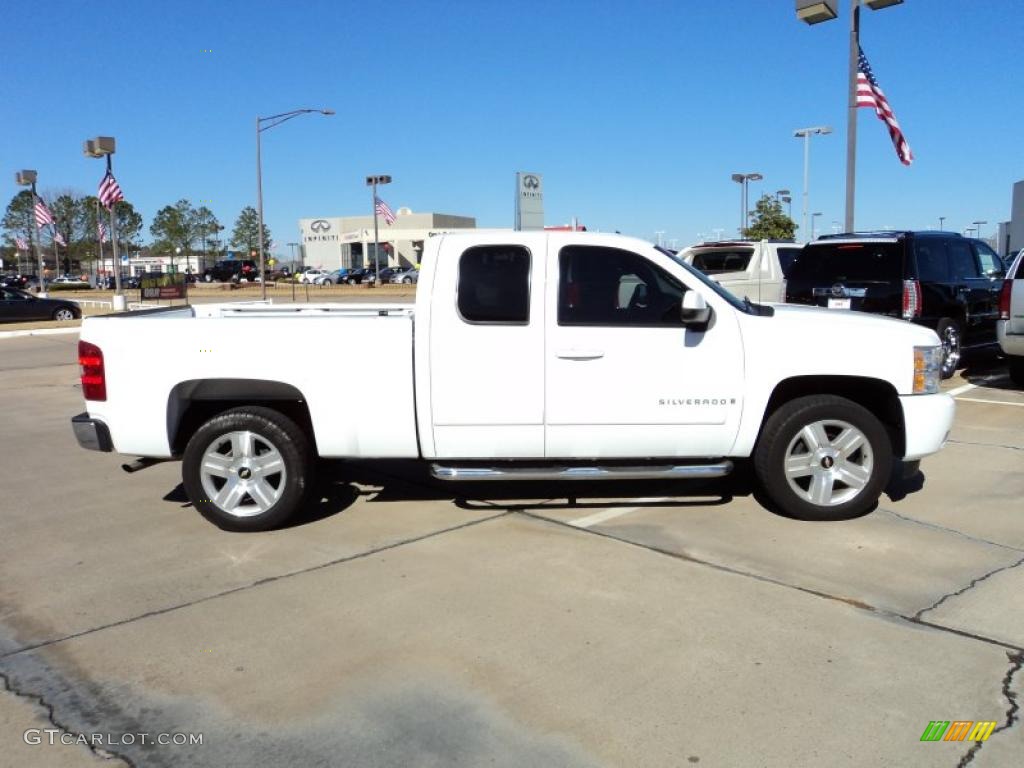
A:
[(814, 218), (977, 227), (805, 134), (942, 220), (105, 146), (814, 12), (28, 179), (177, 251), (293, 246), (744, 179), (373, 181), (788, 200), (272, 121)]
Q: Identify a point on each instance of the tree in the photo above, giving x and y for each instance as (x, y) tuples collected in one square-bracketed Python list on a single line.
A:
[(769, 222), (174, 227), (246, 234), (18, 221), (208, 228)]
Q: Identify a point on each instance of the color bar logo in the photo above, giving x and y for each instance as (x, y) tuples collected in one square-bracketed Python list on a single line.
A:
[(958, 730)]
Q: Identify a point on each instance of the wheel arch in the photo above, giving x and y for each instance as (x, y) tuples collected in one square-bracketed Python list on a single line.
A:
[(876, 395), (192, 403)]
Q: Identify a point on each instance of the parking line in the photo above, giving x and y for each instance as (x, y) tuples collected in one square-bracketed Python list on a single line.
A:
[(993, 402), (609, 514), (960, 390)]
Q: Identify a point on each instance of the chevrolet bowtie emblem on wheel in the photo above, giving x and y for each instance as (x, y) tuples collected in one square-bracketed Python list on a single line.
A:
[(320, 225), (530, 182)]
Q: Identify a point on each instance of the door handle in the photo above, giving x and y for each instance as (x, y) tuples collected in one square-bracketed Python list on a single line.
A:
[(579, 354)]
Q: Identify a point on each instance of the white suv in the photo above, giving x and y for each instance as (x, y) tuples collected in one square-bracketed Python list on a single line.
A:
[(1010, 327), (747, 268)]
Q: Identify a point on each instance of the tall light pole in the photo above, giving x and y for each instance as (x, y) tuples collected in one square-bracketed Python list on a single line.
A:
[(373, 181), (814, 12), (658, 235), (977, 228), (293, 246), (780, 193), (744, 179), (805, 134), (28, 179), (814, 218), (942, 220), (272, 121), (105, 146)]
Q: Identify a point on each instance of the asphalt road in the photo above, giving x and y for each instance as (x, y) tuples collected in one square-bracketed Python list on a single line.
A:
[(398, 625)]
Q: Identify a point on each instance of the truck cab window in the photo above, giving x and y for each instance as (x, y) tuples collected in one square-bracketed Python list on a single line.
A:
[(494, 284), (610, 286)]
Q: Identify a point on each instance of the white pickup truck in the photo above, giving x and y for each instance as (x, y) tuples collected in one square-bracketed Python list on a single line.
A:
[(527, 356)]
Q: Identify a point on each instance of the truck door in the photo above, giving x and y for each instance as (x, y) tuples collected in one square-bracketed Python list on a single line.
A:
[(623, 377), (487, 352)]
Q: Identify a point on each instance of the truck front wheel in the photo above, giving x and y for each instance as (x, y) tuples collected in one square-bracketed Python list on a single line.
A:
[(248, 469), (823, 458)]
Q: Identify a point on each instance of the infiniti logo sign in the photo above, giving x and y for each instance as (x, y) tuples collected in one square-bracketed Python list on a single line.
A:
[(320, 225), (531, 182)]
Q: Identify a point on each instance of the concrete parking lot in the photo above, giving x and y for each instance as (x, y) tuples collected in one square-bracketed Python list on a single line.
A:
[(398, 624)]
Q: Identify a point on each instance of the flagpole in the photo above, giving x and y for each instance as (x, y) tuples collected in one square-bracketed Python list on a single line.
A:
[(99, 240), (376, 236), (34, 240), (118, 303), (851, 117)]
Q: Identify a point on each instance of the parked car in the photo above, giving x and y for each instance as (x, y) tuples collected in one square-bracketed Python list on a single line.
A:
[(940, 280), (1010, 326), (231, 271), (387, 273), (749, 269), (360, 275), (279, 274), (312, 275), (406, 276), (17, 305), (333, 278), (15, 281), (520, 362)]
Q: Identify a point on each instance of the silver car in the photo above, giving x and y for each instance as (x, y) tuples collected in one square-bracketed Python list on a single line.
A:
[(406, 276), (1010, 327)]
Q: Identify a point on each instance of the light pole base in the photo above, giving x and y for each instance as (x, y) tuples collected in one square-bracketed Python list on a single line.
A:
[(120, 302)]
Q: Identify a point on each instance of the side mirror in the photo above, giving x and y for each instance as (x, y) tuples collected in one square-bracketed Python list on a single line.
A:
[(695, 312)]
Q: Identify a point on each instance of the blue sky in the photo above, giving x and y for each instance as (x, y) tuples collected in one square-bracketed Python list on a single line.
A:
[(636, 113)]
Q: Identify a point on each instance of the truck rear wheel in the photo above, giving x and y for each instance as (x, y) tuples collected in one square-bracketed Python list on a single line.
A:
[(248, 469), (823, 458)]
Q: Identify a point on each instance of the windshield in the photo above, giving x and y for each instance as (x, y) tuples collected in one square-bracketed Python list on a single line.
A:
[(740, 305)]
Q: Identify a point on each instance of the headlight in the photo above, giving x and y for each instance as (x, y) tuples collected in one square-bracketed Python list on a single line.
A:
[(927, 367)]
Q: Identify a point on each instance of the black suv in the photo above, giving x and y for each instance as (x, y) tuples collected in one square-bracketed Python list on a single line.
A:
[(231, 270), (940, 280)]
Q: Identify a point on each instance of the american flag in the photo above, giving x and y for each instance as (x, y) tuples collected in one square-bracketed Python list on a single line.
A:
[(58, 238), (101, 231), (869, 94), (383, 209), (43, 215), (20, 244), (109, 192)]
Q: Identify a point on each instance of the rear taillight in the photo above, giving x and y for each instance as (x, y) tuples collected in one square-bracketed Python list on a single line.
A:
[(1004, 300), (911, 299), (94, 379)]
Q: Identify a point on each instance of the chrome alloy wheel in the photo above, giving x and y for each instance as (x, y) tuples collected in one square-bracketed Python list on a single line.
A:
[(950, 350), (64, 314), (242, 473), (828, 463)]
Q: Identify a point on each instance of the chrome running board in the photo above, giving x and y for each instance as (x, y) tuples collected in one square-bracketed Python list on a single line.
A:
[(658, 472)]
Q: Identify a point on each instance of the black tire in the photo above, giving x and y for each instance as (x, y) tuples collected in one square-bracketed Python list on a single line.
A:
[(1016, 366), (783, 428), (270, 428), (951, 336), (61, 313), (351, 281)]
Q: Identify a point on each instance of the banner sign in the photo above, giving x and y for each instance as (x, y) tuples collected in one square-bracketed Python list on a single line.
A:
[(163, 286)]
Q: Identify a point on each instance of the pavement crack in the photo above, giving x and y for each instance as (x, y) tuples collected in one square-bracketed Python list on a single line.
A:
[(970, 586), (251, 585), (989, 445), (79, 738), (945, 529), (1016, 663)]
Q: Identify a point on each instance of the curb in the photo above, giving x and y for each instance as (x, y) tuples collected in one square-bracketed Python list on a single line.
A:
[(39, 332)]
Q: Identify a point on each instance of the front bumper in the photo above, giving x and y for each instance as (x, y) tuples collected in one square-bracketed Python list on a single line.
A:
[(91, 433), (927, 420)]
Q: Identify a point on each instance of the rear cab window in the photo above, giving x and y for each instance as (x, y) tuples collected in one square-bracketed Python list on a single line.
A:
[(717, 261), (494, 285)]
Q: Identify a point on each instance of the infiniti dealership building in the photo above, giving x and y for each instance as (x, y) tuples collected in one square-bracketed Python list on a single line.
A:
[(347, 241)]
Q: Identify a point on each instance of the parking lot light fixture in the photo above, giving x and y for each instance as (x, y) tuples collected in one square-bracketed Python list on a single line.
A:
[(813, 12), (28, 179), (372, 182), (106, 146), (814, 218), (805, 134), (977, 228), (265, 124), (744, 179)]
